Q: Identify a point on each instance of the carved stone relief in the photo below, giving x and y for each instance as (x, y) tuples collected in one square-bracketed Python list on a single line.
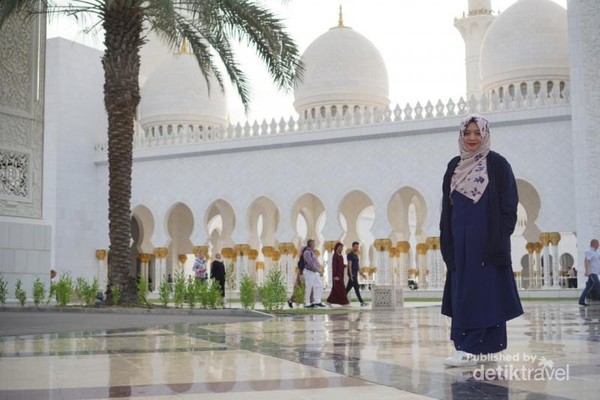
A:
[(22, 44)]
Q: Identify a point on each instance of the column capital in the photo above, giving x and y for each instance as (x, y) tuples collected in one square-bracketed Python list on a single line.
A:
[(145, 258), (200, 249), (422, 248), (554, 238), (253, 254), (545, 238), (433, 242), (530, 247), (382, 244), (403, 246), (268, 251), (161, 252), (182, 258), (227, 252), (101, 254)]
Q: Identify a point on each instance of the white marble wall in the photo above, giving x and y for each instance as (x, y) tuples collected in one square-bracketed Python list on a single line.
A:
[(584, 43), (76, 119)]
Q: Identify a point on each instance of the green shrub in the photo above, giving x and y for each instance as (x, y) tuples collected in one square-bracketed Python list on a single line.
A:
[(299, 292), (3, 290), (143, 290), (164, 292), (64, 289), (272, 293), (87, 291), (248, 292), (20, 293), (38, 291), (116, 294), (194, 291), (210, 295), (179, 289)]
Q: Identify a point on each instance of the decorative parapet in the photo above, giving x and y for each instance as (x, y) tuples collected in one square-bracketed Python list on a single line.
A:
[(167, 136)]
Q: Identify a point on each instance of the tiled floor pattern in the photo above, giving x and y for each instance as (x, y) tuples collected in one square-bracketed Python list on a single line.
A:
[(359, 355)]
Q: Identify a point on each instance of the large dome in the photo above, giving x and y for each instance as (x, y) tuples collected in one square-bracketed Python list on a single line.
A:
[(176, 94), (527, 42), (342, 69)]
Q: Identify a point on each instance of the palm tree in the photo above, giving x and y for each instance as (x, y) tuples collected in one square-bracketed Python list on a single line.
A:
[(210, 27)]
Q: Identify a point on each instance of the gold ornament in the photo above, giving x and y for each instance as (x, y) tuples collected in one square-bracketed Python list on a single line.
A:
[(101, 254)]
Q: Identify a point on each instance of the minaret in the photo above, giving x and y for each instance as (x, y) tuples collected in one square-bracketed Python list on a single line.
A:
[(473, 28)]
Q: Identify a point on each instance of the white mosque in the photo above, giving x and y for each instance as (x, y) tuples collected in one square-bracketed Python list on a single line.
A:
[(350, 166)]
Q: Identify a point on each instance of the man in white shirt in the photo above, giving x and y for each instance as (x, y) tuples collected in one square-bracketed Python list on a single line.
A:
[(592, 270)]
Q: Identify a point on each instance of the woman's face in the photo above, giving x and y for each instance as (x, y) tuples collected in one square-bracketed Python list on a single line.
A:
[(472, 137), (339, 250)]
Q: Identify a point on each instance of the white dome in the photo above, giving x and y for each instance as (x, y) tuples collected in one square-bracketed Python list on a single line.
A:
[(526, 42), (342, 68), (176, 93)]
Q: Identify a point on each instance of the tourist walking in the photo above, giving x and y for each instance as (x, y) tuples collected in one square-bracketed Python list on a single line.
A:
[(353, 271), (479, 213), (217, 272), (592, 269), (312, 277), (338, 291), (199, 267)]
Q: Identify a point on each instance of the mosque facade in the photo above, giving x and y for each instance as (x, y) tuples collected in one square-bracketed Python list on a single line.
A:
[(350, 166)]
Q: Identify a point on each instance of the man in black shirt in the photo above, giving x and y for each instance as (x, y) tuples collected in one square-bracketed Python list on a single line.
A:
[(353, 271)]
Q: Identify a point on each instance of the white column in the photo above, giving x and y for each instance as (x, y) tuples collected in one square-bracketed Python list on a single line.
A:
[(160, 266), (287, 266), (268, 252), (434, 262), (404, 248), (241, 265), (554, 239), (545, 239), (538, 265), (102, 270), (422, 265)]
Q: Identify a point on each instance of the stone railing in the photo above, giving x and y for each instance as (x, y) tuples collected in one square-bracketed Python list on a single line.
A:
[(486, 104)]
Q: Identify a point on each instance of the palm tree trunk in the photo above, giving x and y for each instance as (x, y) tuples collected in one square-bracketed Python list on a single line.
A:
[(121, 62)]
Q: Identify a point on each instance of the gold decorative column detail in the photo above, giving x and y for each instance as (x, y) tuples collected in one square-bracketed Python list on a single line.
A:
[(161, 252), (182, 258), (101, 254), (260, 265), (329, 245), (145, 258), (227, 253), (252, 254), (268, 251), (276, 256), (200, 249)]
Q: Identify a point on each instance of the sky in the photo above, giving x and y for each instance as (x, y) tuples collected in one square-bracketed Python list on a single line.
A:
[(423, 52)]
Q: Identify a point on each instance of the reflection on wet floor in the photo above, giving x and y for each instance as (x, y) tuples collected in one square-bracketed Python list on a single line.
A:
[(554, 353)]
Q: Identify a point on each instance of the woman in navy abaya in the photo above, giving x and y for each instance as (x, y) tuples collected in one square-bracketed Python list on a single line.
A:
[(479, 213)]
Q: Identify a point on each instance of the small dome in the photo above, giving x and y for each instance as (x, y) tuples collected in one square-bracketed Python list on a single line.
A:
[(176, 93), (342, 68), (526, 42)]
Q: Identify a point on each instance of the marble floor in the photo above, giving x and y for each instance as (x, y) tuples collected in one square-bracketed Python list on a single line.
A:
[(554, 349)]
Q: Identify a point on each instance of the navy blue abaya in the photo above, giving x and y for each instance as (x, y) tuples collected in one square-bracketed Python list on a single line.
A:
[(476, 292)]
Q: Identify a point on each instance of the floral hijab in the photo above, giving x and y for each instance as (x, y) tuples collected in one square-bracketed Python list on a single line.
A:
[(470, 176)]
